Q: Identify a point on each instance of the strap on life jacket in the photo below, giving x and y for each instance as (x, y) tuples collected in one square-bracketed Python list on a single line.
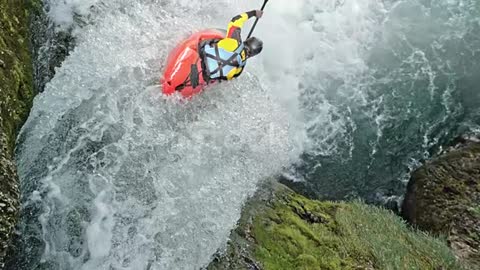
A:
[(233, 61), (203, 59), (192, 80)]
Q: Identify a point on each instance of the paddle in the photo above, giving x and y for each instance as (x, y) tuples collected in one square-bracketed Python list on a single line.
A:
[(256, 20)]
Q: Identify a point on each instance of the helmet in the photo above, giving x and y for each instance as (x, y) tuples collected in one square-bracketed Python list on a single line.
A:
[(253, 46)]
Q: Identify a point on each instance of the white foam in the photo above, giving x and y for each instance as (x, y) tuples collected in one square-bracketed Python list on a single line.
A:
[(99, 231), (133, 180), (63, 11), (309, 44), (136, 181)]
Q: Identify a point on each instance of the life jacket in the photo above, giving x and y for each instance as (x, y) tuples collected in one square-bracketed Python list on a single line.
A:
[(220, 62)]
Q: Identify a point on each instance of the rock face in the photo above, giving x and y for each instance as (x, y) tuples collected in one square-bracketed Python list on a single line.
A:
[(280, 229), (443, 197), (50, 44), (15, 102)]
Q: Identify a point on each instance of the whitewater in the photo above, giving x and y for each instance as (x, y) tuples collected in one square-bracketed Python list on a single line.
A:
[(116, 176)]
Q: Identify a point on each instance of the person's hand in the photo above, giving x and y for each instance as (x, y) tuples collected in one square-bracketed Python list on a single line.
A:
[(259, 13)]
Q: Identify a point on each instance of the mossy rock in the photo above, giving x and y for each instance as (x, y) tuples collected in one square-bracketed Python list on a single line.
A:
[(443, 197), (16, 94), (280, 229)]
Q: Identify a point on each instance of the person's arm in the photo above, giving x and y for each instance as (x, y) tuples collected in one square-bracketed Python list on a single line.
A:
[(235, 26), (234, 73), (239, 71)]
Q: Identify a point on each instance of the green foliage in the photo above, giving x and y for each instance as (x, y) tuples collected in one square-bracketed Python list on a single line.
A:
[(392, 243), (475, 211), (297, 233), (16, 90), (16, 94)]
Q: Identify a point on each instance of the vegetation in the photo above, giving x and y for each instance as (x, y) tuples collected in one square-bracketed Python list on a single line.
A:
[(16, 91), (290, 231), (16, 94), (443, 197)]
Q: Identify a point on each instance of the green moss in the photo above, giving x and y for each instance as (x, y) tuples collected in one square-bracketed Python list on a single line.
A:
[(16, 94), (446, 187), (392, 243), (443, 197), (297, 233), (475, 211), (287, 241), (16, 91)]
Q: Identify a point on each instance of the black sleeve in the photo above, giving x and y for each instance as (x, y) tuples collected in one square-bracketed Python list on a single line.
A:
[(251, 13)]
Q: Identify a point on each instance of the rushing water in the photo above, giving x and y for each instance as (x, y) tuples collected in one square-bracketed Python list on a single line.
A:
[(115, 176), (384, 85)]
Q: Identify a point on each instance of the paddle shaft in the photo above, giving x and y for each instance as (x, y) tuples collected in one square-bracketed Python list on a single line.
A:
[(256, 20)]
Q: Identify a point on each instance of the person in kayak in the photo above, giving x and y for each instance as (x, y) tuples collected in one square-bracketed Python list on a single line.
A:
[(226, 58)]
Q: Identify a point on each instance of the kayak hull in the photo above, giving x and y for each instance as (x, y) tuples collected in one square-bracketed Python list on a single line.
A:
[(180, 61)]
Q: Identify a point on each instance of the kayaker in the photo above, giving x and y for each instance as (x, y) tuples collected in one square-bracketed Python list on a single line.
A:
[(226, 58)]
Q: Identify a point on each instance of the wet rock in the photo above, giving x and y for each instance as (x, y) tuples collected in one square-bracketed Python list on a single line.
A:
[(15, 102), (50, 45), (443, 197)]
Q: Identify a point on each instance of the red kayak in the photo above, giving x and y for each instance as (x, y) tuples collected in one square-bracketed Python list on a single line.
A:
[(183, 72)]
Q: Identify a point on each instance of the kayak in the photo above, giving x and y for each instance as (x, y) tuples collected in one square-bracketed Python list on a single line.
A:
[(183, 72)]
